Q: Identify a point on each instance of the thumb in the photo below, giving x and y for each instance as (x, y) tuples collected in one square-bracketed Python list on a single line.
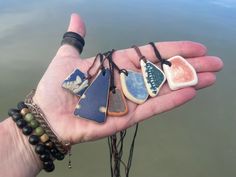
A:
[(76, 25)]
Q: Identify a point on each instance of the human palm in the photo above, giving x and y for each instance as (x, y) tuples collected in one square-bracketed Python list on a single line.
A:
[(59, 104)]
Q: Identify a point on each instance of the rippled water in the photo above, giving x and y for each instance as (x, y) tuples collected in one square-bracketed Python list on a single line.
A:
[(195, 140)]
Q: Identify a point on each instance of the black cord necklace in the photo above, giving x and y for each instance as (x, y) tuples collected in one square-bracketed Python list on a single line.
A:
[(116, 141), (116, 145)]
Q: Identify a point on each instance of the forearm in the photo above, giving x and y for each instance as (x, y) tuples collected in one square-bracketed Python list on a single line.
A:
[(18, 158)]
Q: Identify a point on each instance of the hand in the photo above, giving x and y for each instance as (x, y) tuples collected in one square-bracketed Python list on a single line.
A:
[(58, 104)]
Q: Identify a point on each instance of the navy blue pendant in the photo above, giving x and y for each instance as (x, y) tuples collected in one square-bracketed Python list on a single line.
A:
[(153, 77), (94, 102), (133, 87), (76, 82)]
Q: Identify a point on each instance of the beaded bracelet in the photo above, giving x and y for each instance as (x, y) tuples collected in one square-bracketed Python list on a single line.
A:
[(30, 127), (35, 126)]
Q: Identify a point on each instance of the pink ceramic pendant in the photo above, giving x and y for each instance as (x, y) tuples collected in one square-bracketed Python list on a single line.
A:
[(180, 74)]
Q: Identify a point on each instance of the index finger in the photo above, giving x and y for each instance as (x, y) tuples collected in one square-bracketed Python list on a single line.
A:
[(187, 49)]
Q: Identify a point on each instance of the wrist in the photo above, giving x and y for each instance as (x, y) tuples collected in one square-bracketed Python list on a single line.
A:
[(20, 160), (55, 119)]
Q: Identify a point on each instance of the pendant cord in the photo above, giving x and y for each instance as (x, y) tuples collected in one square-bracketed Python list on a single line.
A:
[(116, 153), (102, 58), (158, 55), (112, 69), (116, 141), (98, 56), (139, 53), (110, 155), (131, 151), (114, 65)]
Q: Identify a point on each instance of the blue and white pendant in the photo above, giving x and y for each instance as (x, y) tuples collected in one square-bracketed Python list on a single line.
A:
[(76, 82), (153, 77), (94, 102), (133, 87)]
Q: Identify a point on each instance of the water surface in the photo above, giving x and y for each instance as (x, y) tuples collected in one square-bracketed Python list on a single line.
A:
[(195, 140)]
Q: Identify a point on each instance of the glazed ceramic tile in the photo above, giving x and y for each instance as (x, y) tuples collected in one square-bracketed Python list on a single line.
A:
[(117, 104), (76, 82), (153, 77), (180, 74), (133, 87), (94, 102)]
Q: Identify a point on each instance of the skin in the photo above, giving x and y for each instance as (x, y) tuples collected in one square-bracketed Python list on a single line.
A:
[(58, 104)]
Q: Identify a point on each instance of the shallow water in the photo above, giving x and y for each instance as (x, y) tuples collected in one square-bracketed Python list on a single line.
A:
[(197, 139)]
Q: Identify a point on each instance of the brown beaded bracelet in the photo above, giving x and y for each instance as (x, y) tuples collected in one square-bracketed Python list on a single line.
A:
[(63, 147)]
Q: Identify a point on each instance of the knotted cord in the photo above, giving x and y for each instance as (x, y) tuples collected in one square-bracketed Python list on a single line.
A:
[(158, 55), (116, 141)]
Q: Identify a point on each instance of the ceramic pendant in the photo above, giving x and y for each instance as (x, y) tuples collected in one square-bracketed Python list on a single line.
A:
[(180, 74), (94, 102), (117, 104), (153, 77), (133, 87), (76, 82)]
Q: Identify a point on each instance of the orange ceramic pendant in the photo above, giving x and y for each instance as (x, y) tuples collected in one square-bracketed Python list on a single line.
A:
[(117, 104), (180, 74)]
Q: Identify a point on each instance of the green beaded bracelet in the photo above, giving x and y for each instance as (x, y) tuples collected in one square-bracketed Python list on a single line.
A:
[(28, 117), (39, 131)]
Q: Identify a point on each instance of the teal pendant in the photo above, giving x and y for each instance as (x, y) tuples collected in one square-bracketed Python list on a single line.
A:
[(153, 77), (133, 87), (76, 82), (94, 102)]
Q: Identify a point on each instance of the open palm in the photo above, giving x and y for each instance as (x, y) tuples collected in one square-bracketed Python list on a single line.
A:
[(58, 104)]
